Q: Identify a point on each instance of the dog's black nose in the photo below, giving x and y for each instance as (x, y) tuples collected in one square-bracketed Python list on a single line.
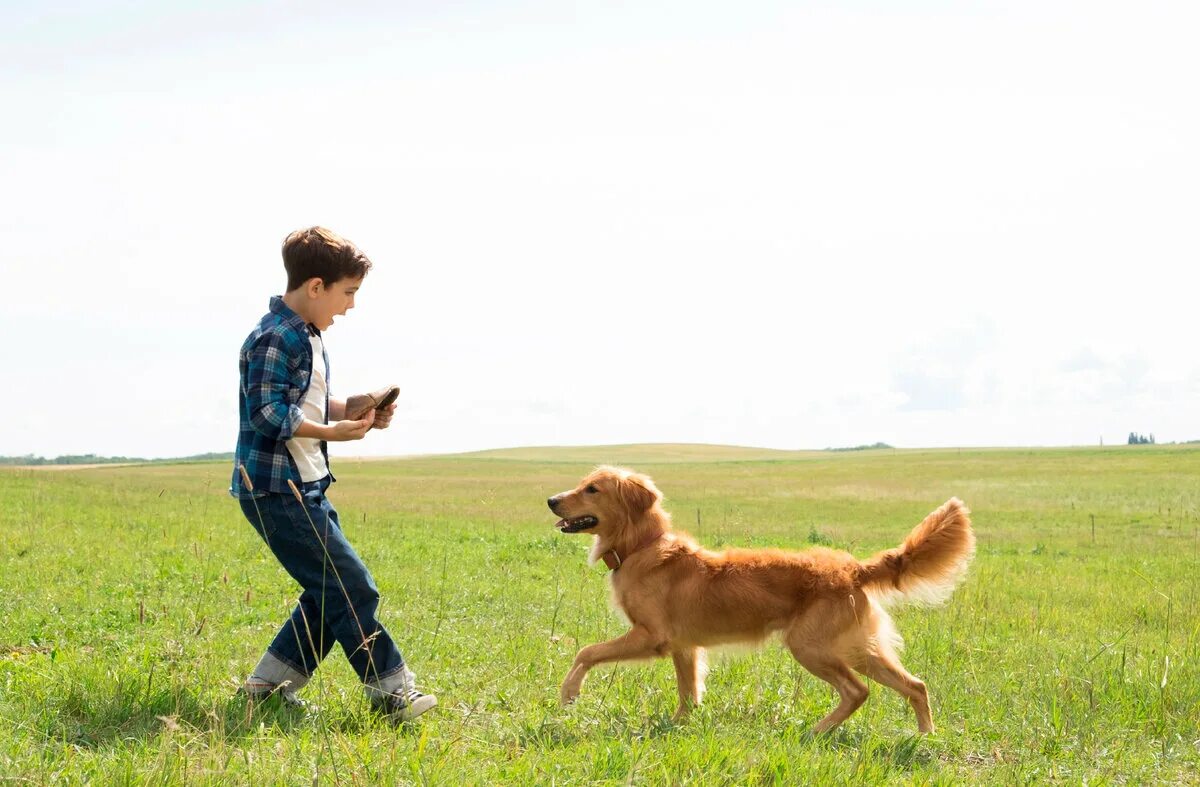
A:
[(552, 502)]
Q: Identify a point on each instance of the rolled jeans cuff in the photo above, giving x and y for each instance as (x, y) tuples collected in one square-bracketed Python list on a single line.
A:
[(277, 672), (398, 681)]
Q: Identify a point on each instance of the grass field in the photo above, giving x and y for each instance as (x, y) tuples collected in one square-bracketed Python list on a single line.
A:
[(134, 599)]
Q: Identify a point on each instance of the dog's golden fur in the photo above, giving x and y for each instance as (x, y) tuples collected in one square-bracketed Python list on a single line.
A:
[(828, 607)]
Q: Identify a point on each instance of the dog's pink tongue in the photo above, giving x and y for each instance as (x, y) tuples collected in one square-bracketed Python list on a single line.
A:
[(560, 524)]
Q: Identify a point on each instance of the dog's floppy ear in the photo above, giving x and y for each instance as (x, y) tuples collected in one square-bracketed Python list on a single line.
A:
[(638, 493)]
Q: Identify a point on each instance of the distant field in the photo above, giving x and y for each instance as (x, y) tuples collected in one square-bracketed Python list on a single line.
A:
[(661, 453), (134, 599), (677, 453)]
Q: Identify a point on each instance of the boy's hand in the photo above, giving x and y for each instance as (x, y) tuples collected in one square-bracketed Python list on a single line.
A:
[(356, 406), (383, 416), (352, 430)]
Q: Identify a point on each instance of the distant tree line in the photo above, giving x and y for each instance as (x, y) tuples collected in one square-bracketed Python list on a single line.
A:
[(1140, 439), (92, 459), (861, 447)]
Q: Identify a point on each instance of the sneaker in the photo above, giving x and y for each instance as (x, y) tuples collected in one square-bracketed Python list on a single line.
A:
[(404, 705), (260, 692)]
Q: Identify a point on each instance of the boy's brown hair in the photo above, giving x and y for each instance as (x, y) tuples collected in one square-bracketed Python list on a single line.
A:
[(319, 253)]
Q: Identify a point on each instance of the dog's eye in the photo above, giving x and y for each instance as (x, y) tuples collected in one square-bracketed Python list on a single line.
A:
[(591, 489)]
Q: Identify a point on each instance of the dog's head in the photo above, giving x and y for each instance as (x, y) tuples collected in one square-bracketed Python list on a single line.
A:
[(605, 501)]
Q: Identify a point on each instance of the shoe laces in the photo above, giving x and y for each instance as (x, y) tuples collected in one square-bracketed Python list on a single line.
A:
[(410, 696)]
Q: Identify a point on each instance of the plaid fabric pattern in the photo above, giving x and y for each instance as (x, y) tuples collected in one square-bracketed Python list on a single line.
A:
[(275, 363)]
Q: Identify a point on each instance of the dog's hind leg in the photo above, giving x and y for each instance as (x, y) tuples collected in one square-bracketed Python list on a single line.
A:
[(690, 670), (885, 668), (638, 643), (851, 691), (824, 641), (827, 664)]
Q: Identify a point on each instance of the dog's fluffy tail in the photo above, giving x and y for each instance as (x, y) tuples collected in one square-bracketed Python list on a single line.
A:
[(928, 565)]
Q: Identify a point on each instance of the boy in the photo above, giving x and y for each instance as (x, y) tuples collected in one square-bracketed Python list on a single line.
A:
[(287, 416)]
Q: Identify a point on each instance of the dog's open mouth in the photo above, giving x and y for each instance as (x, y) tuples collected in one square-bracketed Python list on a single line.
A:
[(577, 524)]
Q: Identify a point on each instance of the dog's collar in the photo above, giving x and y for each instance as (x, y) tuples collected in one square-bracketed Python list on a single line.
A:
[(613, 559)]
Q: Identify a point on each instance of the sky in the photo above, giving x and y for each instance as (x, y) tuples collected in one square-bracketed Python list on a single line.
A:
[(789, 225)]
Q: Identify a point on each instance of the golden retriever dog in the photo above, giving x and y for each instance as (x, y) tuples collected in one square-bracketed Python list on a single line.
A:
[(828, 607)]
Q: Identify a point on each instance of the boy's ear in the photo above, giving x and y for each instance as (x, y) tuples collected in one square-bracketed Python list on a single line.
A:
[(314, 286)]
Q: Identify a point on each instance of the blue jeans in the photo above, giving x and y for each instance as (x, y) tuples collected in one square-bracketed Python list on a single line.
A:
[(308, 542)]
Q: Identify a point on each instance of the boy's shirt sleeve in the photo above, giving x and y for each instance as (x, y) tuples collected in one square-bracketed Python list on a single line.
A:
[(267, 384)]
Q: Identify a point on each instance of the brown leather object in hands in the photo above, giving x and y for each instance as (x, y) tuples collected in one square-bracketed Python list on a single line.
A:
[(358, 405)]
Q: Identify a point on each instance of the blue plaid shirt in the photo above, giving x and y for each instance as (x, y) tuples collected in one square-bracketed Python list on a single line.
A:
[(276, 362)]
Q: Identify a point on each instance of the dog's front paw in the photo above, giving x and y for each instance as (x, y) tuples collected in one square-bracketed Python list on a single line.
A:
[(568, 693)]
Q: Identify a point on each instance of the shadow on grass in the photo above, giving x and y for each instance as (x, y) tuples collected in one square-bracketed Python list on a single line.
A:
[(96, 720), (901, 753), (550, 734), (559, 733)]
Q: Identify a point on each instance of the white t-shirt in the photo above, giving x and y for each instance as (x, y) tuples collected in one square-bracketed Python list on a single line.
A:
[(306, 451)]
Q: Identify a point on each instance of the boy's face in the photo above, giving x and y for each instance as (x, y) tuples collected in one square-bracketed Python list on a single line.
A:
[(325, 303)]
